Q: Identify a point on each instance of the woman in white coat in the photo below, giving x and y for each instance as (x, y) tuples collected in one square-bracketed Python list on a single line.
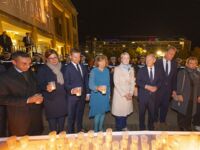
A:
[(124, 85)]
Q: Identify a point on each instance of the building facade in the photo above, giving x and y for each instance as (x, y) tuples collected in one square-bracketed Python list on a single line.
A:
[(52, 23), (142, 45)]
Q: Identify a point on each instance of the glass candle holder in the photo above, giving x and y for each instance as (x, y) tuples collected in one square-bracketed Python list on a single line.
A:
[(115, 145), (52, 136), (24, 141), (12, 142)]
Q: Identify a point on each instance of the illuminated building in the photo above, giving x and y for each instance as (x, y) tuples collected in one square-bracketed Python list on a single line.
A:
[(145, 44), (52, 23)]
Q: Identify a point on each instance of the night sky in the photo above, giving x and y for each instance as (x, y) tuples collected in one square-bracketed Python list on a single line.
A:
[(162, 18)]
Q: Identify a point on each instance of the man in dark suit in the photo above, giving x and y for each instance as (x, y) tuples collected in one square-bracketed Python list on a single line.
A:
[(76, 77), (19, 94), (2, 112), (149, 81), (28, 42), (168, 68), (6, 42)]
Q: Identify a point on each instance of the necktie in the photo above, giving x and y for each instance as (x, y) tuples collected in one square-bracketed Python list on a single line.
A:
[(151, 75), (25, 76), (79, 70), (166, 68)]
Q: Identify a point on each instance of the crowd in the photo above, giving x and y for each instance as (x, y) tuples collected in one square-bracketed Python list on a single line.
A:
[(62, 90)]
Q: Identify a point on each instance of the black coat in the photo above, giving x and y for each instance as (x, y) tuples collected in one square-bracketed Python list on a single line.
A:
[(55, 103), (7, 44), (23, 118)]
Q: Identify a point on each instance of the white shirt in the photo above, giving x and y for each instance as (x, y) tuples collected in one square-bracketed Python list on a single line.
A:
[(75, 65), (169, 65), (153, 71), (18, 70)]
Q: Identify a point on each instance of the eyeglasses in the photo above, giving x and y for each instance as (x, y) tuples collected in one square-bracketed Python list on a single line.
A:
[(51, 58)]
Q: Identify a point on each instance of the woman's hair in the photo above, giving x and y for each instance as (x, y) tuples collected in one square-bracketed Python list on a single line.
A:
[(50, 52), (191, 59), (99, 58), (123, 54)]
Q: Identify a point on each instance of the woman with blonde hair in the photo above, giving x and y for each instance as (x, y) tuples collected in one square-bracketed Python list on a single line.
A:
[(99, 83), (124, 84)]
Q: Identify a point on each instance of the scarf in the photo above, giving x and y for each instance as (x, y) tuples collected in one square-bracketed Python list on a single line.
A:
[(57, 71), (125, 67)]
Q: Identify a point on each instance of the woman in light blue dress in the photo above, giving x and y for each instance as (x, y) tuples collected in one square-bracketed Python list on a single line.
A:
[(99, 83)]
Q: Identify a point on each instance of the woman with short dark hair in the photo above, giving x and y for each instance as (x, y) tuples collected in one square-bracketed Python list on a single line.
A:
[(51, 83), (188, 91)]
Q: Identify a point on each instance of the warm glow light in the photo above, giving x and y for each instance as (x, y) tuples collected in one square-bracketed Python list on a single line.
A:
[(133, 42), (13, 32), (124, 46), (14, 42), (86, 51), (160, 53)]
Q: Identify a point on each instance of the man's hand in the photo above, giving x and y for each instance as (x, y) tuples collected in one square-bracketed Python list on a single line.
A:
[(87, 97), (35, 99), (49, 88), (151, 88), (74, 91)]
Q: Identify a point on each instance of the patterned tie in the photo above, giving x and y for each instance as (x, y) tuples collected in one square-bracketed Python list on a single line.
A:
[(166, 68)]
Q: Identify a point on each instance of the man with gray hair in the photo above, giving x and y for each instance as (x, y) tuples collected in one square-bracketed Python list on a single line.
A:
[(148, 81)]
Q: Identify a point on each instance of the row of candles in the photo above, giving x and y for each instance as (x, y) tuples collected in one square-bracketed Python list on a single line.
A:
[(106, 141)]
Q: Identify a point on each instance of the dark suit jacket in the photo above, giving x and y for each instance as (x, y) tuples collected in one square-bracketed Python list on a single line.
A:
[(169, 82), (73, 79), (143, 79), (2, 69), (26, 42), (7, 44), (55, 99), (23, 118)]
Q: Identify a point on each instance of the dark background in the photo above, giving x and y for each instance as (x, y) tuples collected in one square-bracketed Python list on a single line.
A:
[(162, 18)]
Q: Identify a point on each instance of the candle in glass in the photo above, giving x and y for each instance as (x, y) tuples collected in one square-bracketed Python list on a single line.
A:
[(115, 145), (12, 142), (24, 142)]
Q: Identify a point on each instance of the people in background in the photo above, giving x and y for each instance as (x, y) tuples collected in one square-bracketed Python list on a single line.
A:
[(19, 93), (168, 68), (99, 83), (76, 85), (28, 42), (188, 91), (124, 85), (149, 80), (112, 65), (51, 84), (5, 42), (6, 60)]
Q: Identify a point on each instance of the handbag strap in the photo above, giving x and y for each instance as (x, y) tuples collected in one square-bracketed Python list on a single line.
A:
[(183, 83)]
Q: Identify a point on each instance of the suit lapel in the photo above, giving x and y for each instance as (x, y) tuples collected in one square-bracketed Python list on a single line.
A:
[(77, 70)]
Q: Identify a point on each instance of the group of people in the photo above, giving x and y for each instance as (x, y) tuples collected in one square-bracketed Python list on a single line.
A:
[(62, 91), (7, 45)]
